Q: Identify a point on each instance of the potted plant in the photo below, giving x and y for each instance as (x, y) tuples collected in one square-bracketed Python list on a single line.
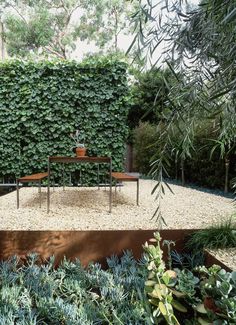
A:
[(80, 146)]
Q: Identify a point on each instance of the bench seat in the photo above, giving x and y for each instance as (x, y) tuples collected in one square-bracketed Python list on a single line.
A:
[(33, 177), (27, 179), (123, 177)]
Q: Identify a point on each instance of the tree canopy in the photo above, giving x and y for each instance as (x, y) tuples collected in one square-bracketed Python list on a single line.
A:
[(52, 28)]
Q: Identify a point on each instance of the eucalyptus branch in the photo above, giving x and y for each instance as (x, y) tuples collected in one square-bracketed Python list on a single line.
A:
[(72, 11), (19, 13), (51, 50), (63, 5)]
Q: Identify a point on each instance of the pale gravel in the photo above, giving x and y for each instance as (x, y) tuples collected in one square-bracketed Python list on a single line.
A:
[(227, 256), (87, 209)]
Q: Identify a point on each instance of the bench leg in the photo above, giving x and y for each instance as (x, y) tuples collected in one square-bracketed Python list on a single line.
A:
[(98, 181), (105, 182), (40, 194), (48, 191), (63, 177), (110, 194), (138, 192), (17, 194), (53, 180), (115, 191)]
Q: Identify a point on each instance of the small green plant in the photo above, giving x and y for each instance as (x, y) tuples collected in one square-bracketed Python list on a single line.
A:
[(169, 243), (185, 260), (78, 137), (218, 288), (186, 282), (217, 236), (158, 283), (201, 297)]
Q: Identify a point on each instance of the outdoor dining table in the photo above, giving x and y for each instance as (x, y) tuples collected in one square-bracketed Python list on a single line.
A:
[(71, 160)]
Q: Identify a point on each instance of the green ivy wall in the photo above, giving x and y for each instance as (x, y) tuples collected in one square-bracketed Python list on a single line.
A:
[(42, 103)]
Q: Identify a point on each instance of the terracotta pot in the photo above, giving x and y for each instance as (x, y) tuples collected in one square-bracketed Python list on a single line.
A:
[(80, 152)]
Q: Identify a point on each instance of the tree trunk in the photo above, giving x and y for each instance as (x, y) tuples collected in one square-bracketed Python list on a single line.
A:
[(116, 30), (2, 45), (226, 175)]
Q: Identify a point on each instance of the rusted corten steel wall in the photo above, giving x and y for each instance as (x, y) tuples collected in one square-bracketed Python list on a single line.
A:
[(86, 245)]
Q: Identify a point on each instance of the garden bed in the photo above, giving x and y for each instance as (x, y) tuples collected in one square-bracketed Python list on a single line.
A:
[(127, 291), (89, 245)]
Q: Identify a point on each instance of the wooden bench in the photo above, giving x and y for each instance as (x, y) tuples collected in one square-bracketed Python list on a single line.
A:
[(123, 177), (30, 178)]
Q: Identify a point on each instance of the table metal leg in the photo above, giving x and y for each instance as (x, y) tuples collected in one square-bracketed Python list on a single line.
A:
[(40, 194), (105, 181), (53, 183), (48, 193), (110, 194), (115, 190), (17, 194), (63, 177), (98, 177), (138, 192)]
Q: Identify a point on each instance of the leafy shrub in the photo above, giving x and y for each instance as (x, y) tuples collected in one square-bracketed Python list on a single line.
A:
[(202, 296), (70, 294), (149, 94), (203, 171), (222, 235), (42, 103), (144, 146)]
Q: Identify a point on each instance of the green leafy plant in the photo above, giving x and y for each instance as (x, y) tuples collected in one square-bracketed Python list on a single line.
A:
[(222, 235), (169, 243), (219, 291), (42, 103), (156, 287), (190, 260), (144, 149), (77, 139), (201, 296)]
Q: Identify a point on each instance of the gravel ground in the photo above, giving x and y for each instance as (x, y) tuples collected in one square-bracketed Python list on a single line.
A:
[(227, 256), (87, 208)]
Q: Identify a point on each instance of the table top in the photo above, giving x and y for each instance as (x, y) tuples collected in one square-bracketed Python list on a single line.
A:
[(66, 159)]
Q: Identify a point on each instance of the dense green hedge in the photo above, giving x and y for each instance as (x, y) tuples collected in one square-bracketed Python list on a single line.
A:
[(41, 103)]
